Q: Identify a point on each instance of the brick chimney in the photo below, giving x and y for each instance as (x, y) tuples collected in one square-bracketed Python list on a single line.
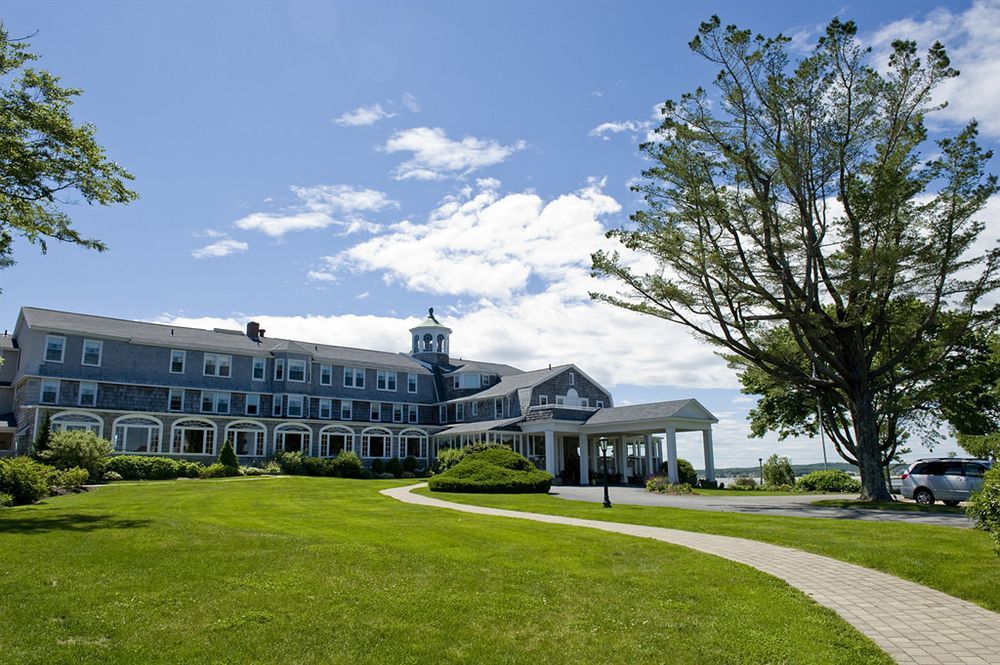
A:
[(253, 331)]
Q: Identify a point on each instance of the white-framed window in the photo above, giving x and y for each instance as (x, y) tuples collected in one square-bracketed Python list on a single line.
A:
[(475, 409), (296, 406), (92, 351), (277, 404), (218, 364), (375, 412), (175, 399), (258, 369), (413, 443), (247, 438), (297, 370), (412, 413), (291, 438), (279, 369), (193, 437), (599, 404), (457, 382), (497, 407), (325, 375), (49, 393), (506, 407), (385, 380), (584, 402), (411, 383), (464, 381), (55, 348), (177, 361), (70, 421), (543, 399), (376, 442), (335, 439), (326, 409), (484, 379), (213, 401), (460, 412), (88, 394), (572, 378), (253, 404), (346, 409), (354, 377), (137, 434), (443, 413), (397, 413)]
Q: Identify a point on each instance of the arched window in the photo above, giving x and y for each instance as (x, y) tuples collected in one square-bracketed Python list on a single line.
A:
[(193, 436), (428, 342), (291, 437), (335, 439), (376, 442), (69, 421), (440, 344), (413, 443), (248, 438), (137, 434)]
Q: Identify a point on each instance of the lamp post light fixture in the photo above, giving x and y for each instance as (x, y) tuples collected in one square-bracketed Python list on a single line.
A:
[(760, 460), (604, 467)]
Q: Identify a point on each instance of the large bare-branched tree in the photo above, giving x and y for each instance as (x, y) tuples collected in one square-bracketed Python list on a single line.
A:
[(796, 198)]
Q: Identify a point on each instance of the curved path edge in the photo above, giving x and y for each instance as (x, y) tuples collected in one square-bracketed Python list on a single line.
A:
[(914, 624)]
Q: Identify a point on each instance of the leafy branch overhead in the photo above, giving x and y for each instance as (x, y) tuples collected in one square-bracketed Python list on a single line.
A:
[(46, 159)]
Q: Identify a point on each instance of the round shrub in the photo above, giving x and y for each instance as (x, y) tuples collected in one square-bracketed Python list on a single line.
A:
[(290, 463), (81, 449), (348, 465), (662, 485), (685, 472), (395, 467), (69, 478), (378, 466), (411, 464), (833, 480), (111, 476), (778, 472), (495, 470), (24, 479), (6, 500), (984, 506)]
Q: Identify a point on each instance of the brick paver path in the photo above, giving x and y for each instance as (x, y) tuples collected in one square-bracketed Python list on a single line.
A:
[(916, 625)]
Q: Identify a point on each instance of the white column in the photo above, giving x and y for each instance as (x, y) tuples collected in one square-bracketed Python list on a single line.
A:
[(706, 440), (648, 442), (550, 451), (584, 460), (622, 458), (672, 474)]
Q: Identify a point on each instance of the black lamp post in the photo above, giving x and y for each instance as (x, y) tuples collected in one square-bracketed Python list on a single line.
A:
[(760, 460), (604, 466)]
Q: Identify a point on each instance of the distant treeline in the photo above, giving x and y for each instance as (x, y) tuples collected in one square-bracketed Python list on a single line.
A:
[(799, 469)]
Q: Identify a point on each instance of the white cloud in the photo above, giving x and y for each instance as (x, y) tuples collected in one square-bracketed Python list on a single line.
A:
[(363, 116), (321, 206), (605, 128), (362, 296), (223, 247), (411, 102), (435, 156)]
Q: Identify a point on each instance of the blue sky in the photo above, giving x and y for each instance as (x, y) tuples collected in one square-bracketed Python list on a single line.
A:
[(332, 170)]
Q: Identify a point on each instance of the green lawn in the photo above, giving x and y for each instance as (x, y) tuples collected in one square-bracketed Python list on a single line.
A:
[(960, 562), (905, 506), (746, 493), (320, 570)]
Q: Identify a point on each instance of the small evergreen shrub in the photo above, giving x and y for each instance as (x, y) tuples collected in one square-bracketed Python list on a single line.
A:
[(984, 506), (378, 466), (271, 468), (315, 466), (685, 472), (744, 483), (227, 458), (778, 472), (69, 478), (6, 500), (833, 480), (111, 476), (492, 469), (41, 442), (24, 479), (395, 467), (411, 464), (662, 485), (80, 449), (251, 471)]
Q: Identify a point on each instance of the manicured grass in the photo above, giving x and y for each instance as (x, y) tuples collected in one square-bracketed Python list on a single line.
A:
[(959, 562), (887, 505), (322, 570), (747, 493)]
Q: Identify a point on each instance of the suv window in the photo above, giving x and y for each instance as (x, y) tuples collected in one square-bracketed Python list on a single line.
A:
[(920, 468), (974, 470), (954, 469)]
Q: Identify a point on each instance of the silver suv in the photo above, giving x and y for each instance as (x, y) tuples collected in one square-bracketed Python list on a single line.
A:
[(949, 479)]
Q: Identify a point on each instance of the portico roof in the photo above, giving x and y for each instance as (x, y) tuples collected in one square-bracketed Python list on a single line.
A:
[(481, 426), (634, 413)]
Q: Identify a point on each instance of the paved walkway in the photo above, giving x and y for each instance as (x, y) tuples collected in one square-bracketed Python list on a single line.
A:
[(791, 505), (914, 624)]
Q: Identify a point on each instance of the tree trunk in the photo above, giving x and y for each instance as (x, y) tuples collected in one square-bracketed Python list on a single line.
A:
[(873, 486)]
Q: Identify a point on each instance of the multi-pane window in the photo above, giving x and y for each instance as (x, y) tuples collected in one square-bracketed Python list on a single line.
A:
[(175, 400), (325, 375), (475, 408), (279, 369), (92, 349), (50, 391), (325, 409), (214, 402), (247, 439), (295, 406), (443, 414), (411, 383), (137, 435), (460, 412), (412, 413), (297, 370), (88, 394), (572, 379), (599, 404), (193, 437), (253, 404), (346, 409), (543, 399), (375, 412), (354, 377), (177, 359), (55, 348), (279, 400), (497, 407), (259, 367), (217, 364), (385, 380), (397, 413)]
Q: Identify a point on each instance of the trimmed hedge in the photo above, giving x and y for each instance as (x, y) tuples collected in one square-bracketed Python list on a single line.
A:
[(494, 470), (140, 467), (833, 480), (24, 479), (344, 465)]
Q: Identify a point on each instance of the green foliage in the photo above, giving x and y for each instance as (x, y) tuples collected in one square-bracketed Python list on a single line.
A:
[(686, 474), (778, 472), (41, 442), (743, 483), (344, 465), (348, 465), (828, 481), (662, 485), (45, 158), (140, 467), (69, 478), (448, 457), (492, 469), (6, 500), (290, 463), (252, 471), (82, 449), (271, 468), (26, 480), (377, 466), (411, 464), (111, 476), (981, 446), (227, 457), (218, 471), (395, 467), (984, 506)]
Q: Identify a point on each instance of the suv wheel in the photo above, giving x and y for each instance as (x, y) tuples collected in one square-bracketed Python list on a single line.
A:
[(924, 496)]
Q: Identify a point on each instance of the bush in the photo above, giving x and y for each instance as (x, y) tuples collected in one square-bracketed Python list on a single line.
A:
[(315, 466), (81, 449), (24, 479), (662, 485), (984, 506), (685, 472), (141, 467), (41, 442), (395, 467), (6, 500), (411, 464), (385, 476), (744, 483), (408, 474), (448, 457), (828, 481), (218, 471), (709, 484), (492, 469), (271, 468), (348, 465), (227, 457), (778, 471), (378, 466), (251, 471), (110, 476), (290, 463), (69, 478)]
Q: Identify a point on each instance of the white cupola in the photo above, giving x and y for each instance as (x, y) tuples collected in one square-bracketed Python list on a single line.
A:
[(430, 340)]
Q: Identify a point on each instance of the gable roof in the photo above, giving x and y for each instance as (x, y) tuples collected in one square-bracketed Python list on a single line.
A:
[(514, 382), (479, 426), (680, 408)]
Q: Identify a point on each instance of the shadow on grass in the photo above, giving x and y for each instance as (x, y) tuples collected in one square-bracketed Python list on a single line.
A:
[(36, 523)]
